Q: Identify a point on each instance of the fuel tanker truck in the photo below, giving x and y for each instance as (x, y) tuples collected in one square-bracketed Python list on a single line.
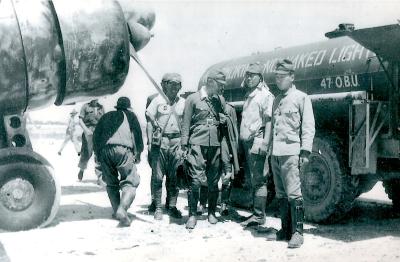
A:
[(55, 52), (353, 81)]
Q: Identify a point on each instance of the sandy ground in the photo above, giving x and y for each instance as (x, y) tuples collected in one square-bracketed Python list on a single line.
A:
[(84, 231)]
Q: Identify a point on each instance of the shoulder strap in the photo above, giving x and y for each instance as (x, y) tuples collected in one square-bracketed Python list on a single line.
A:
[(212, 109), (169, 116)]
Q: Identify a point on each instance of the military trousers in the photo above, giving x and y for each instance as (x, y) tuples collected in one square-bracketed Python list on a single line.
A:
[(286, 176), (203, 166), (255, 170), (86, 154), (164, 162), (118, 166)]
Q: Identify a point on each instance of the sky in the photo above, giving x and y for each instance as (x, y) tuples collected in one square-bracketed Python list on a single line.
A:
[(190, 36)]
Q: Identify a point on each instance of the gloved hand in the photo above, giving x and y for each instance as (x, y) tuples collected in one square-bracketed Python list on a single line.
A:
[(303, 158), (264, 148), (222, 119), (184, 151)]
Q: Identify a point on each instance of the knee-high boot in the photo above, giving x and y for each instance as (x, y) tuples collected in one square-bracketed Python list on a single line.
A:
[(297, 215), (212, 206), (285, 232), (193, 199), (114, 196), (127, 197)]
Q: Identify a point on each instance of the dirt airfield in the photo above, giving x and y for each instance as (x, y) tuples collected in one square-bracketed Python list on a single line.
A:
[(84, 231)]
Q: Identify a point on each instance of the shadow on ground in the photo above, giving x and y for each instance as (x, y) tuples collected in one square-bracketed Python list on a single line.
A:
[(81, 189), (366, 220), (86, 211)]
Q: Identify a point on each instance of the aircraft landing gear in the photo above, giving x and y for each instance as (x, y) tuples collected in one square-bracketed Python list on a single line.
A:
[(29, 192)]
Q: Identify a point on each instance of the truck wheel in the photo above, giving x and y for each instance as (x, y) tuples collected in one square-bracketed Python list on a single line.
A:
[(328, 190), (392, 189), (29, 192)]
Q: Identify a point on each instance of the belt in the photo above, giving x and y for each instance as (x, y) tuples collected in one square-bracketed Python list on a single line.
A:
[(208, 121), (172, 135)]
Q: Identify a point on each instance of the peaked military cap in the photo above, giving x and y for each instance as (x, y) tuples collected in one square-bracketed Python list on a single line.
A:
[(172, 77), (218, 76), (284, 66), (255, 68)]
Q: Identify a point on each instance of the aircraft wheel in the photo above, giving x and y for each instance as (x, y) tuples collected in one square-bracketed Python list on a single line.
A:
[(328, 190), (29, 192), (392, 189)]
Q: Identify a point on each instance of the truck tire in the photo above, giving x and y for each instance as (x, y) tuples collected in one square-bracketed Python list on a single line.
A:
[(29, 192), (392, 189), (328, 190)]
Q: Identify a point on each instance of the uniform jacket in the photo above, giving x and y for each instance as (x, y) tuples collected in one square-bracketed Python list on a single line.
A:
[(159, 110), (257, 110), (108, 125), (200, 125), (91, 114), (293, 123)]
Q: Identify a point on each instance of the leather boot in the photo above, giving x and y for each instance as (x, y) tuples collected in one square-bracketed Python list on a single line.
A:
[(114, 196), (224, 211), (203, 200), (193, 198), (167, 201), (127, 197), (297, 215), (258, 217), (152, 206), (212, 206), (285, 233), (225, 194), (191, 222), (80, 175)]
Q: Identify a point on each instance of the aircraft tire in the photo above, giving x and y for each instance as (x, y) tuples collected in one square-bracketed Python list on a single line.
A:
[(29, 192), (328, 189), (392, 189)]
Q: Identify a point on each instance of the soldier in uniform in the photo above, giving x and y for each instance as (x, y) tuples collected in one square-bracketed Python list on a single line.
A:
[(117, 142), (149, 132), (71, 134), (292, 137), (89, 116), (255, 130), (229, 160), (165, 117), (201, 140)]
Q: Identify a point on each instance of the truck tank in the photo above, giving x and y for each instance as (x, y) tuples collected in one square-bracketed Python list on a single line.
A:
[(353, 94)]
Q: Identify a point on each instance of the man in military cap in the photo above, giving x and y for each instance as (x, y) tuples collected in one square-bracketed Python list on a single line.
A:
[(166, 117), (291, 139), (89, 116), (229, 158), (149, 132), (201, 140), (255, 131), (118, 144)]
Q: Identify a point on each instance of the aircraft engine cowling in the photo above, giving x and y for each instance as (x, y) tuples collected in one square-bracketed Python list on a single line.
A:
[(64, 51), (54, 52)]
